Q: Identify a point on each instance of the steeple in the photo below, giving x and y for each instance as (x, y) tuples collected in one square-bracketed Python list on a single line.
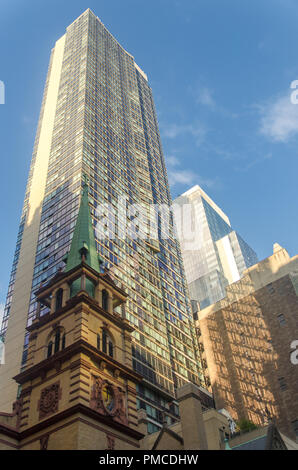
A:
[(83, 246)]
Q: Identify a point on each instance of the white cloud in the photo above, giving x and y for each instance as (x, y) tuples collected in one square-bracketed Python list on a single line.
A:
[(197, 130), (173, 161), (279, 120), (177, 175), (181, 176), (188, 177), (204, 96)]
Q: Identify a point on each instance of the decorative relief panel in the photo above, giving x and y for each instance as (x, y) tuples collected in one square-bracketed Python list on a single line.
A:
[(108, 400), (49, 400), (110, 442)]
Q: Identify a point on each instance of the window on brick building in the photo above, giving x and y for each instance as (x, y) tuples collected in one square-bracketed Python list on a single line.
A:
[(107, 344), (282, 383), (281, 319), (270, 288), (56, 342)]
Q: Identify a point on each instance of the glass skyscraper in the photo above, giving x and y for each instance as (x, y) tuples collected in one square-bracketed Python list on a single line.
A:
[(214, 254), (98, 119)]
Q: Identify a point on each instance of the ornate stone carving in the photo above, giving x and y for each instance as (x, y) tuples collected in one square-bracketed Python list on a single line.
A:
[(108, 400), (49, 399), (110, 442), (120, 412), (44, 440)]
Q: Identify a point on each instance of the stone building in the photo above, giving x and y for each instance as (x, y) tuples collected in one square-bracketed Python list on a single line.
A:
[(246, 341), (209, 429), (198, 428), (78, 390)]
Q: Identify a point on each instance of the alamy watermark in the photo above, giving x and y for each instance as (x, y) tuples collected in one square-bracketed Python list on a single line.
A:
[(294, 94), (2, 92), (150, 222), (294, 354)]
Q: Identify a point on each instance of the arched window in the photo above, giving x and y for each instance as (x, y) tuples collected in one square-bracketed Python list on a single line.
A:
[(59, 299), (104, 341), (111, 348), (107, 344), (105, 298), (56, 342), (50, 348)]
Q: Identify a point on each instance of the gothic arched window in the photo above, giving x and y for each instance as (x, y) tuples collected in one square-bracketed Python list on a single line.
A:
[(107, 344), (105, 298), (56, 342), (50, 348), (59, 299)]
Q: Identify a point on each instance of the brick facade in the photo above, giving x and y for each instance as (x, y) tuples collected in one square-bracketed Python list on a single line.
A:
[(247, 344)]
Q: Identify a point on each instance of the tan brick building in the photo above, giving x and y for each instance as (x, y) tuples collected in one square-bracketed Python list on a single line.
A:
[(246, 340), (78, 390)]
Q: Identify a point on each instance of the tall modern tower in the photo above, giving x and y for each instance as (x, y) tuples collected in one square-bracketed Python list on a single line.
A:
[(98, 119), (214, 254)]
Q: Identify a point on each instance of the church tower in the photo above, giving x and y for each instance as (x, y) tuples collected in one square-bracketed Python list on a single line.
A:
[(78, 390)]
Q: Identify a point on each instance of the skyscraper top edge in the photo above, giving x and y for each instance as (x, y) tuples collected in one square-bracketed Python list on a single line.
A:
[(88, 10), (197, 190)]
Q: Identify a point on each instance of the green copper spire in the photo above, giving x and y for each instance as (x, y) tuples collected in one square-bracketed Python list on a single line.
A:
[(83, 245)]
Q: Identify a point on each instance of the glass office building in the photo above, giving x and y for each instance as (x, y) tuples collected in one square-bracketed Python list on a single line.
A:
[(98, 119), (214, 254)]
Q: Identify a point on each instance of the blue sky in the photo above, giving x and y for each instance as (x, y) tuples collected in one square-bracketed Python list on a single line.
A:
[(220, 71)]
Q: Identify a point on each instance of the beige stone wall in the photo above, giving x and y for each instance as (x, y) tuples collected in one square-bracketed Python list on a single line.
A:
[(18, 313), (7, 443), (191, 418), (62, 436), (247, 348), (78, 433), (214, 421), (93, 435), (76, 375)]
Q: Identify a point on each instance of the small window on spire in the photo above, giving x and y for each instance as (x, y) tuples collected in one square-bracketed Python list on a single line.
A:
[(104, 341), (57, 341), (107, 344), (105, 298), (59, 299), (111, 349), (50, 349)]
